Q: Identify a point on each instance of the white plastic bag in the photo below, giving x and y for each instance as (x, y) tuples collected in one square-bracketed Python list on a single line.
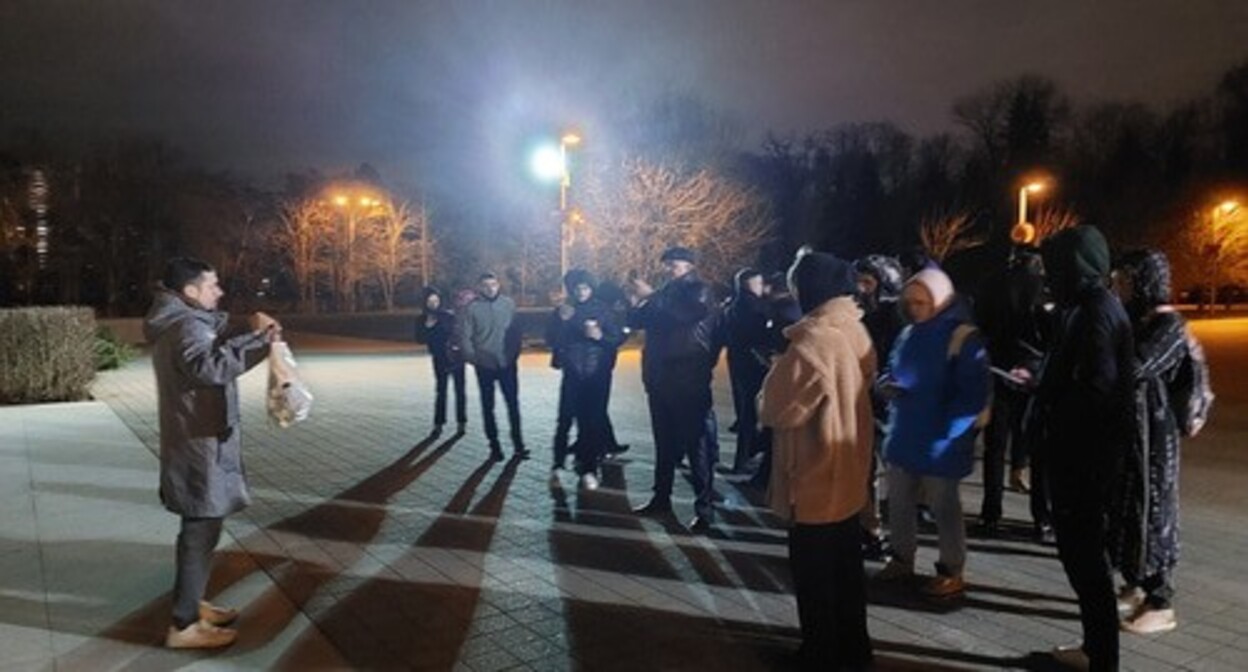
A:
[(289, 400)]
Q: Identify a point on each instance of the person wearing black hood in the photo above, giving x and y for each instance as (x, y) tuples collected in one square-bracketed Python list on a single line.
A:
[(1084, 417), (745, 327), (583, 336), (879, 290), (676, 368), (817, 401), (1144, 518), (435, 327), (1011, 317)]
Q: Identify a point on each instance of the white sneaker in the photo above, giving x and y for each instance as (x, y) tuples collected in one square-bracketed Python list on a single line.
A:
[(1151, 621), (199, 635), (1072, 656), (214, 615), (589, 482), (1130, 599)]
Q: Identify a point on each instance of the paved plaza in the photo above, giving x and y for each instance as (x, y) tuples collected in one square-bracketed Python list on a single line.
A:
[(369, 546)]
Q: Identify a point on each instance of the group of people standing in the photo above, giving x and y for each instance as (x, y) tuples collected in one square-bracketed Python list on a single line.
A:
[(1052, 361), (836, 370)]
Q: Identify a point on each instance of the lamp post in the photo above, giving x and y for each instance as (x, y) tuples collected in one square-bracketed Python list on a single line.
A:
[(354, 210), (565, 183), (1220, 212), (1024, 233)]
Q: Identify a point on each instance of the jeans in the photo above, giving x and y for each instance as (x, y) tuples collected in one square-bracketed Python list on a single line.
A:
[(444, 372), (509, 382), (197, 539), (903, 489)]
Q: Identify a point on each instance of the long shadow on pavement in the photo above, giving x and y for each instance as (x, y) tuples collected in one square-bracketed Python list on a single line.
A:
[(413, 623), (354, 515)]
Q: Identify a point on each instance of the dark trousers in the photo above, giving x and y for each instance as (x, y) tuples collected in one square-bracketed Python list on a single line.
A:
[(831, 591), (444, 372), (747, 379), (197, 539), (563, 423), (589, 407), (678, 418), (508, 381), (1079, 523), (1002, 435)]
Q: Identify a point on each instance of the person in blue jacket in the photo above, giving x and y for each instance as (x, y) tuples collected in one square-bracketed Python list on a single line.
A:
[(938, 387)]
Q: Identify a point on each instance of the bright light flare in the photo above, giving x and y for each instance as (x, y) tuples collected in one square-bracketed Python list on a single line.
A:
[(548, 164), (1034, 187)]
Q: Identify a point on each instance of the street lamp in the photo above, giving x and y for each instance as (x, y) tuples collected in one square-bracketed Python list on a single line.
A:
[(549, 164), (354, 210), (1023, 232), (568, 140)]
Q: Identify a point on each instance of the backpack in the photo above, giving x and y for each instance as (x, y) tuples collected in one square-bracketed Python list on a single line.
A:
[(1191, 394), (956, 340)]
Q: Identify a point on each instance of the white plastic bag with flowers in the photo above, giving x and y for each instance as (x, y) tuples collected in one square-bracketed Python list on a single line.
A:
[(289, 400)]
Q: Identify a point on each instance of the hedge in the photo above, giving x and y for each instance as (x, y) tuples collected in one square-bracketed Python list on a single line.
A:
[(46, 354)]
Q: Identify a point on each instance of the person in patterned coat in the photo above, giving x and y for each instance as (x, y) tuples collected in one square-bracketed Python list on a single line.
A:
[(1144, 515)]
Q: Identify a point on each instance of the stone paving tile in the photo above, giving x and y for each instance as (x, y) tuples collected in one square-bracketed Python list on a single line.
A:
[(400, 552)]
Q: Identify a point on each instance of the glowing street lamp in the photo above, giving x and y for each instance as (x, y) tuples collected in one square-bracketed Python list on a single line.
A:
[(1024, 233), (550, 163)]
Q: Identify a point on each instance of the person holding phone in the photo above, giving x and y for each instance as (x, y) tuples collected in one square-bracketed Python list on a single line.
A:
[(583, 335), (938, 390)]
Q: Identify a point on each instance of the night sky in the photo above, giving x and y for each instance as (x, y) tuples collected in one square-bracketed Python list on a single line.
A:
[(262, 87)]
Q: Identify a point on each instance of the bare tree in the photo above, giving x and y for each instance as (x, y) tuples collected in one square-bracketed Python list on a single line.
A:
[(1052, 220), (631, 216), (391, 249), (303, 223), (1217, 241), (945, 234)]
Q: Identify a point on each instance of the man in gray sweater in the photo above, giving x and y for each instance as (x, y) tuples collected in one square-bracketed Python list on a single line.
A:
[(490, 342)]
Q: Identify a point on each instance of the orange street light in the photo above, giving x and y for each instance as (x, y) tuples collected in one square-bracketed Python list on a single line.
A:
[(1029, 188)]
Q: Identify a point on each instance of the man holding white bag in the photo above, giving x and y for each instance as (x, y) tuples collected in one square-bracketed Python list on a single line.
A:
[(201, 470)]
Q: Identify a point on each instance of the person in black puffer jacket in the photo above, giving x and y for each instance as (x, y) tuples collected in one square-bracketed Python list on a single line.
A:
[(583, 335), (435, 327)]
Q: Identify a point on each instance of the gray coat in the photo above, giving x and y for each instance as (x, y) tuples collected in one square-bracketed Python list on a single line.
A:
[(201, 462)]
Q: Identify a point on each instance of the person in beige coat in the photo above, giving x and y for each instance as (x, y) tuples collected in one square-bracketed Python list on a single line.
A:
[(816, 399)]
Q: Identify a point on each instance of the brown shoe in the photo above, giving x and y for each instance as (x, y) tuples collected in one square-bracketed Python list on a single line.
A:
[(944, 586), (218, 616), (199, 635), (1020, 480)]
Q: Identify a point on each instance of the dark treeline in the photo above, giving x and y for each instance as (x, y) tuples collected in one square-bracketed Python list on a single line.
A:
[(91, 223)]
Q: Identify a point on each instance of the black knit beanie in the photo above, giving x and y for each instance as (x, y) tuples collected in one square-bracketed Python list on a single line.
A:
[(818, 277)]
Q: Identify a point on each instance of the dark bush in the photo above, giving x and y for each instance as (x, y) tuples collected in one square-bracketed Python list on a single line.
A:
[(110, 351), (46, 354)]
